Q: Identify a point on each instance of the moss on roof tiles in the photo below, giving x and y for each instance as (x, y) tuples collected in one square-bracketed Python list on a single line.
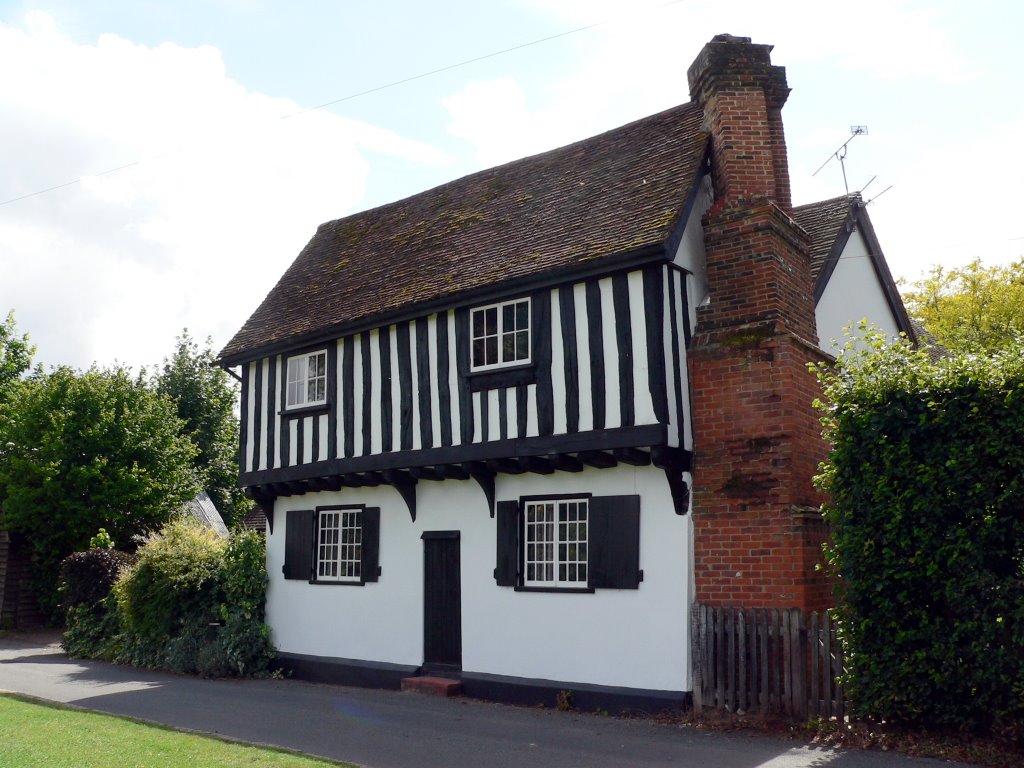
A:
[(603, 196), (823, 221)]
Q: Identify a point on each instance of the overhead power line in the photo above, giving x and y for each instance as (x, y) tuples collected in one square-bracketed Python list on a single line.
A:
[(349, 97)]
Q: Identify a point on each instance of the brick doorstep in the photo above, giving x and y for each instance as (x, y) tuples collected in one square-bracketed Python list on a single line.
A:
[(434, 686)]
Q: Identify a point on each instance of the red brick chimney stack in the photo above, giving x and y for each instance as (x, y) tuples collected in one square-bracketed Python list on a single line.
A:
[(743, 95), (757, 438)]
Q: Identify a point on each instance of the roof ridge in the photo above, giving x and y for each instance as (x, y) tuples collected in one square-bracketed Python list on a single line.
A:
[(562, 209)]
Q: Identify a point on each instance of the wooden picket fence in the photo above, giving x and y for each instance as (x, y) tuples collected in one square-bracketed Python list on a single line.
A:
[(766, 660)]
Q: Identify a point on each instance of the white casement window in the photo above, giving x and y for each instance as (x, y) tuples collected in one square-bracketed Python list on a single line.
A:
[(555, 538), (500, 335), (307, 379), (339, 545)]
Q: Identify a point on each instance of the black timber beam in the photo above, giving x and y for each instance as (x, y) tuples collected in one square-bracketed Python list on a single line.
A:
[(538, 464), (598, 459), (563, 462), (632, 456)]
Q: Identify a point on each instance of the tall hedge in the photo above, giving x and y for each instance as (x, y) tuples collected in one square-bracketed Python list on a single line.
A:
[(926, 481)]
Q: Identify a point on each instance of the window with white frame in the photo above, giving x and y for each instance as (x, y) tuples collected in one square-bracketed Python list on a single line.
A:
[(555, 538), (500, 335), (307, 379), (339, 545)]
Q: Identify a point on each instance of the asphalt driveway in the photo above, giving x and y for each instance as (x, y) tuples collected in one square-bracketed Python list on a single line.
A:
[(385, 729)]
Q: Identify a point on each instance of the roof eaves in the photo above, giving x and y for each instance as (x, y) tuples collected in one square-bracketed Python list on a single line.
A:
[(652, 252)]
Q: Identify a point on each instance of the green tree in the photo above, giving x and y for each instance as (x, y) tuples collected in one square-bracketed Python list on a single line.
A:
[(83, 450), (205, 397), (971, 309), (15, 356)]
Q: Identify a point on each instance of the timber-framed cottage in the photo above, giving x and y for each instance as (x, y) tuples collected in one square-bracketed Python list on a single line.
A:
[(512, 427)]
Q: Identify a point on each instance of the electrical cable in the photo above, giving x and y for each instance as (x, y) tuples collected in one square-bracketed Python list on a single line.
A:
[(349, 97)]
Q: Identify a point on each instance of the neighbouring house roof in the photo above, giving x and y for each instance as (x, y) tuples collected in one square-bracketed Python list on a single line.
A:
[(612, 194), (936, 351), (203, 511), (256, 520), (824, 221), (830, 224)]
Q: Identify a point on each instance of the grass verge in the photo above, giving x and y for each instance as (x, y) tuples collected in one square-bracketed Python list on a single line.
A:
[(42, 735)]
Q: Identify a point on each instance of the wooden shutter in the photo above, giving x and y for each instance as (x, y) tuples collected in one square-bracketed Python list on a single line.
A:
[(298, 544), (506, 571), (371, 543), (614, 542)]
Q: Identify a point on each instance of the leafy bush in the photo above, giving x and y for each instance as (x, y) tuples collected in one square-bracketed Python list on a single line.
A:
[(926, 484), (190, 603), (244, 636), (175, 577), (92, 632), (87, 577), (101, 540)]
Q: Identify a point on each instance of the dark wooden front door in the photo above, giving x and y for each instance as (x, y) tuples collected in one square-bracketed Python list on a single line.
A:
[(442, 599)]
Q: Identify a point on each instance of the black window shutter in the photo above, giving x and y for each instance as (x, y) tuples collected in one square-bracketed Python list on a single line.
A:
[(371, 543), (614, 542), (506, 571), (298, 544)]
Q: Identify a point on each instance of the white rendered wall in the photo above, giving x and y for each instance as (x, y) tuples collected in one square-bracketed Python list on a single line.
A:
[(633, 638), (852, 294), (691, 255)]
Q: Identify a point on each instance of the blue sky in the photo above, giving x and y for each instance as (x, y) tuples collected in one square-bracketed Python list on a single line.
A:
[(229, 189)]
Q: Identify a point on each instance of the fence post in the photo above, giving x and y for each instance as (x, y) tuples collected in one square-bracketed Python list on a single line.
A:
[(799, 664), (829, 670), (741, 631), (697, 630), (814, 656)]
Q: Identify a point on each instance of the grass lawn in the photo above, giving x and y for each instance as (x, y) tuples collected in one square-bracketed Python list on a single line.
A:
[(51, 736)]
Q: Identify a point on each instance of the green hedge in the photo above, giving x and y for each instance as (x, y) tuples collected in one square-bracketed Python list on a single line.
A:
[(190, 603), (926, 485)]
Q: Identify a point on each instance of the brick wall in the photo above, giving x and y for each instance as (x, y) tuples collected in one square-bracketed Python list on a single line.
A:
[(757, 440)]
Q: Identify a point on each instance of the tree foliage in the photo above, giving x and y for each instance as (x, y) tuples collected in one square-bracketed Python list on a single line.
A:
[(926, 487), (15, 356), (971, 309), (83, 450), (205, 398)]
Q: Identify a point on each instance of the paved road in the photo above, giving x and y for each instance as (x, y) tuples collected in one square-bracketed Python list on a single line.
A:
[(385, 729)]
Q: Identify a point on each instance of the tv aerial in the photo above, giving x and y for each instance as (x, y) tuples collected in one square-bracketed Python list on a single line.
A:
[(840, 155)]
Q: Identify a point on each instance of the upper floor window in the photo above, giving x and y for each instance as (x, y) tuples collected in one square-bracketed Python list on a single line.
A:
[(501, 334), (307, 379)]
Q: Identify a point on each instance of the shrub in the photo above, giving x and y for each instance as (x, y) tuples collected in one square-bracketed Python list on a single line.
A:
[(101, 540), (190, 603), (92, 632), (926, 484), (175, 578), (87, 577), (244, 637)]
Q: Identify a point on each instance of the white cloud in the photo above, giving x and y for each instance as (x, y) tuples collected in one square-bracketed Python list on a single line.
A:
[(869, 63), (494, 118), (224, 198)]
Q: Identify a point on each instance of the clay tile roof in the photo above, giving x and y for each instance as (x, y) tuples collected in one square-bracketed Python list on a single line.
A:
[(823, 221), (606, 195)]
